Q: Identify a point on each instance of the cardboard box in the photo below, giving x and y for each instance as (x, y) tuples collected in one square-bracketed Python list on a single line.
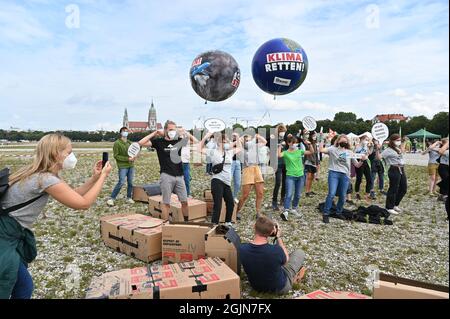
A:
[(136, 235), (204, 279), (392, 287), (207, 197), (196, 209), (223, 242), (183, 242), (143, 192), (319, 294)]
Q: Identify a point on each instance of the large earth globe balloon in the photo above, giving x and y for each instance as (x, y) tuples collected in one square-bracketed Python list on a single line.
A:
[(280, 66), (215, 75)]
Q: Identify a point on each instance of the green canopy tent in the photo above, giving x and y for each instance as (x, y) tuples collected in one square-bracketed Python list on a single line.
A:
[(423, 134)]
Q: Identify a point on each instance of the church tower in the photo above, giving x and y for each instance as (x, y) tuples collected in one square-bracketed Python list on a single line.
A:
[(152, 118), (125, 119)]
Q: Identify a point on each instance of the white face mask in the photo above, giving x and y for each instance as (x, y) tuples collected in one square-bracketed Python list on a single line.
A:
[(172, 134), (398, 143), (70, 161), (365, 143), (124, 134)]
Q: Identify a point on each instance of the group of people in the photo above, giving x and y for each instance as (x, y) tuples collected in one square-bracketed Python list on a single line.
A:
[(235, 167)]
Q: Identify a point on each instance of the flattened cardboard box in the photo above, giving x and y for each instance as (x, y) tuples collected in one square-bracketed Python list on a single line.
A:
[(135, 235), (223, 242), (319, 294), (203, 279), (196, 209), (207, 197), (392, 287), (183, 242)]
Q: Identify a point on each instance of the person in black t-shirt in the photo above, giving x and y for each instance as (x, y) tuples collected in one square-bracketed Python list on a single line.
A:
[(168, 144), (270, 268)]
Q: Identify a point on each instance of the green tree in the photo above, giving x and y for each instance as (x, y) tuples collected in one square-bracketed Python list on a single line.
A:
[(345, 117), (439, 124)]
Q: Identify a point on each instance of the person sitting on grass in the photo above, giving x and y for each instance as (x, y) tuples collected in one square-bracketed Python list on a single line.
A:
[(25, 200), (270, 268)]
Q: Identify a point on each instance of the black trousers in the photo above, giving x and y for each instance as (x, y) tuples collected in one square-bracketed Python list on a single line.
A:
[(398, 187), (220, 191), (443, 184), (280, 181), (360, 171)]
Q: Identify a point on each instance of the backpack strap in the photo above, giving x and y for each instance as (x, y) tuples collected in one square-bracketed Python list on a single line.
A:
[(19, 206)]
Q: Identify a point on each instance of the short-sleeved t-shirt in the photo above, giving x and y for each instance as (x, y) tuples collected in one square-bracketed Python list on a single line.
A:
[(294, 162), (340, 160), (217, 158), (392, 157), (169, 155), (263, 266), (26, 190), (433, 156), (251, 154), (444, 158)]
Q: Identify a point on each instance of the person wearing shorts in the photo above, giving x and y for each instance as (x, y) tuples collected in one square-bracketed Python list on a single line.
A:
[(168, 145), (433, 165), (251, 173)]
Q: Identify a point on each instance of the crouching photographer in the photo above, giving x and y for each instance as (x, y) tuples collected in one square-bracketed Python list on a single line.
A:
[(270, 268)]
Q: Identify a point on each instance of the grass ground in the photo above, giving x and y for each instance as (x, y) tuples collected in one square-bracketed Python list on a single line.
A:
[(338, 254)]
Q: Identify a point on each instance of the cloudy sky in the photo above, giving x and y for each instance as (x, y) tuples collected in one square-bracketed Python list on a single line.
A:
[(78, 64)]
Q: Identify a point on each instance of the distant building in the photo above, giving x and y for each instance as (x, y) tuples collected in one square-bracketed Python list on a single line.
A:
[(389, 117), (150, 125)]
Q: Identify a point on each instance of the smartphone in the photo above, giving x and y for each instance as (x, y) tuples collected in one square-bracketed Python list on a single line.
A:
[(104, 158)]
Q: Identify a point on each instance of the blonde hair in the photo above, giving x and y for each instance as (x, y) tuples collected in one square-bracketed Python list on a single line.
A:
[(45, 159), (280, 128)]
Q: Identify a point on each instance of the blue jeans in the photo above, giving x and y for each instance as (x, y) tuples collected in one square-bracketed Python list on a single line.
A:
[(294, 188), (337, 185), (236, 175), (23, 289), (128, 174), (187, 177)]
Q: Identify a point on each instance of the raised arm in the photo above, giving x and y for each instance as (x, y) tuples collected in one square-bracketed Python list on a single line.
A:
[(260, 139), (443, 149), (237, 146), (322, 148), (310, 150), (69, 197), (146, 141), (202, 144)]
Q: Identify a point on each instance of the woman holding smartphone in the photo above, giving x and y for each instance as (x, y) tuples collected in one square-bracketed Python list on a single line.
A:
[(26, 198)]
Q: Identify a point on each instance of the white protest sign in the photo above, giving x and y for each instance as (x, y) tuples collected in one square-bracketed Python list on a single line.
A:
[(215, 125), (309, 123), (134, 150), (380, 132)]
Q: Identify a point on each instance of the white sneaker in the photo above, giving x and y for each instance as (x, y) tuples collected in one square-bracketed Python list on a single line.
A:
[(229, 224), (296, 213), (130, 201), (397, 209), (236, 200), (392, 212), (284, 215), (110, 202)]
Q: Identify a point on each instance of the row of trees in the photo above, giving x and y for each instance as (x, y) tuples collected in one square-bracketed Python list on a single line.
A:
[(346, 122), (343, 122)]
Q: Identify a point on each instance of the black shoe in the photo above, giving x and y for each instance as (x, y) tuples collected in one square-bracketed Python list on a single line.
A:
[(275, 206), (383, 193), (358, 197), (312, 193), (326, 219), (283, 216), (308, 194), (340, 216), (238, 216)]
